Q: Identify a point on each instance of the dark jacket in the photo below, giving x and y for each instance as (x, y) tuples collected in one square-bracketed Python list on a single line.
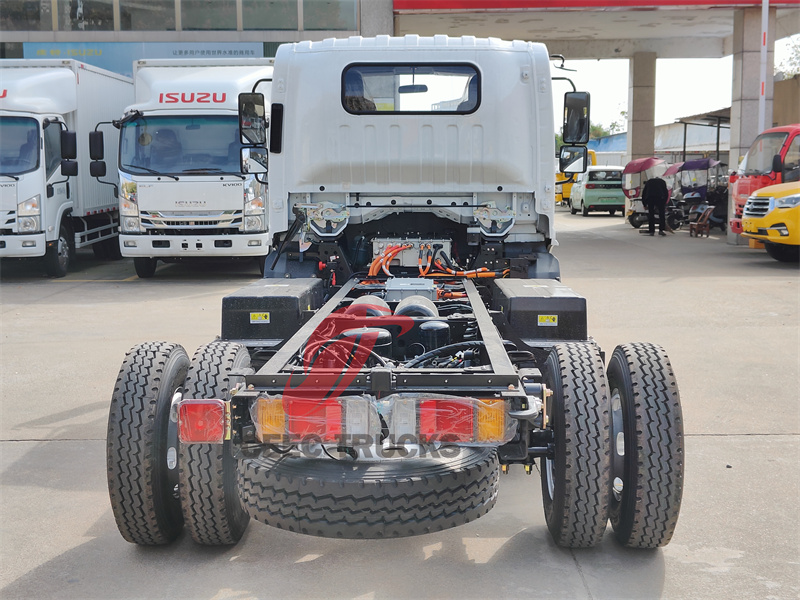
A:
[(655, 191)]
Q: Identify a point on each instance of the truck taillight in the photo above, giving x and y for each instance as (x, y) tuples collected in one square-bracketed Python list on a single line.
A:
[(203, 421), (463, 420), (292, 419), (409, 418)]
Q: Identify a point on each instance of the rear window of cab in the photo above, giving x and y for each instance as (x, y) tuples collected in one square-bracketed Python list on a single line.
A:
[(419, 88), (611, 175)]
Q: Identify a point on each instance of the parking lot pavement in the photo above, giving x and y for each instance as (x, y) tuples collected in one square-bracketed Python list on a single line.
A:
[(729, 318)]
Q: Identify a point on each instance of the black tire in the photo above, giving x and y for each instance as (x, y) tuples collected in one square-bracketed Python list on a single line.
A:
[(100, 250), (674, 222), (212, 510), (387, 499), (262, 264), (584, 209), (783, 253), (572, 209), (145, 267), (575, 483), (113, 251), (637, 221), (58, 255), (647, 474), (142, 442)]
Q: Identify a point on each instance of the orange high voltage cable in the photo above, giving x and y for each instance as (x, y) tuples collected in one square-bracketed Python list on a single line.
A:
[(390, 257)]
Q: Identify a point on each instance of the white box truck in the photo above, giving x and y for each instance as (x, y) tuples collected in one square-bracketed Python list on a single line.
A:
[(182, 193), (42, 211)]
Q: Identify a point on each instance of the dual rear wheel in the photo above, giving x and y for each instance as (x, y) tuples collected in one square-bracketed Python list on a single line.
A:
[(618, 452), (156, 484)]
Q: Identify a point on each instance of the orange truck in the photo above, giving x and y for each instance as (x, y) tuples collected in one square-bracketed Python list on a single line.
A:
[(773, 158)]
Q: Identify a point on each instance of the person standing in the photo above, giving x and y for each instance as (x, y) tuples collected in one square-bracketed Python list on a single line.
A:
[(655, 196)]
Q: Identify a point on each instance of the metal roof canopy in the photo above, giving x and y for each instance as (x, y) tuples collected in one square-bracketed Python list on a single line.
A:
[(581, 29)]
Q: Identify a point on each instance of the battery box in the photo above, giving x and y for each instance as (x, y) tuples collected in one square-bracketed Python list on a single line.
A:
[(270, 309), (540, 309)]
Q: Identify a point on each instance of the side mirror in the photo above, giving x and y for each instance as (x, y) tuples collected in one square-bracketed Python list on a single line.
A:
[(253, 160), (69, 145), (97, 168), (576, 118), (96, 145), (252, 119), (69, 168), (573, 159), (777, 164)]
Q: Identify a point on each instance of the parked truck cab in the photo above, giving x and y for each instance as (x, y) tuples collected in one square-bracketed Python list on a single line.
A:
[(182, 194), (774, 157), (44, 212)]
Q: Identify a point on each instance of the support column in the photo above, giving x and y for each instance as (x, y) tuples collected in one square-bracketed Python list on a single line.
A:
[(377, 17), (641, 105), (746, 89)]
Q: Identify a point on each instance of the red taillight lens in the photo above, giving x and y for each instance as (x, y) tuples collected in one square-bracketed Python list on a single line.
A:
[(446, 420), (202, 421), (590, 186), (313, 417)]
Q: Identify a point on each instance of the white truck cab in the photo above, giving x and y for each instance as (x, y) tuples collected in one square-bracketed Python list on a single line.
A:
[(42, 212), (416, 129), (182, 193)]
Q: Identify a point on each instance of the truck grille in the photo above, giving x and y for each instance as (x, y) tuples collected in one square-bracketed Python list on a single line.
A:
[(192, 221), (757, 207)]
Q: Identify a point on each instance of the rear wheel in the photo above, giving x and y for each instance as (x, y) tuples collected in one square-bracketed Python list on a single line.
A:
[(636, 221), (57, 256), (575, 481), (141, 445), (211, 507), (572, 209), (584, 209), (363, 499), (647, 440), (145, 267)]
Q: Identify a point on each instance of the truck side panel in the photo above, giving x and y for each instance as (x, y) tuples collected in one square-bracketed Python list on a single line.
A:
[(102, 96)]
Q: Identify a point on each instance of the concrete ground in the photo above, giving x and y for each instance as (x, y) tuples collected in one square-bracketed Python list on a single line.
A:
[(728, 316)]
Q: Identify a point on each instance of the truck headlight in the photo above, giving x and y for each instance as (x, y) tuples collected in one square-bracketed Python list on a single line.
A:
[(787, 201), (252, 223), (128, 205), (27, 224), (254, 206), (130, 224), (30, 207)]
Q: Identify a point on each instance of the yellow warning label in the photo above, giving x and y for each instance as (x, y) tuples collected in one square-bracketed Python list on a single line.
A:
[(548, 320), (259, 317)]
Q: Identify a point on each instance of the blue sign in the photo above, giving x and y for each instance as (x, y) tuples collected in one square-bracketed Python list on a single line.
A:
[(119, 56)]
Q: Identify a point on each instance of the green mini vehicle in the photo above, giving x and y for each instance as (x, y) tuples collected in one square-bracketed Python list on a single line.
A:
[(599, 188)]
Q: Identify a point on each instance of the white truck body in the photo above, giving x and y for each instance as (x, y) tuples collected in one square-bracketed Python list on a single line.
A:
[(79, 96), (488, 169), (191, 200)]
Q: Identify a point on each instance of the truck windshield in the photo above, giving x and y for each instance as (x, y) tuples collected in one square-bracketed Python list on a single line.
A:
[(758, 160), (411, 88), (19, 145), (180, 144)]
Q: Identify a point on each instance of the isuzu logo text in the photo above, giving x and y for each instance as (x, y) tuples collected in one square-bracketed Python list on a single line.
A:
[(191, 98)]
